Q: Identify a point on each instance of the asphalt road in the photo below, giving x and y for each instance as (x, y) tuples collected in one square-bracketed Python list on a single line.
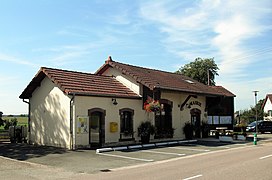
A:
[(248, 162), (202, 160)]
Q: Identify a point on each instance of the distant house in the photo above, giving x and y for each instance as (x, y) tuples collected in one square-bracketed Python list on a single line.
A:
[(267, 107), (74, 109)]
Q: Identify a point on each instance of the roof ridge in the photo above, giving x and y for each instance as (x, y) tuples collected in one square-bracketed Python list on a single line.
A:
[(79, 72), (154, 70), (79, 83)]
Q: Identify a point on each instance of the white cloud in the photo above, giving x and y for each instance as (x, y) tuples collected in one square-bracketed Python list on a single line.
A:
[(210, 28), (15, 60), (226, 30)]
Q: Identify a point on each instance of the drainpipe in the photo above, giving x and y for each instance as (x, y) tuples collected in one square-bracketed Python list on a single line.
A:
[(71, 122), (28, 121)]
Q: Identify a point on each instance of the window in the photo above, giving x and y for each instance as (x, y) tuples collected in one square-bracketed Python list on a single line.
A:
[(270, 113), (126, 123)]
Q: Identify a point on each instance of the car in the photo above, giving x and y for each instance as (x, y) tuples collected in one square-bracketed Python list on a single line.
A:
[(263, 126)]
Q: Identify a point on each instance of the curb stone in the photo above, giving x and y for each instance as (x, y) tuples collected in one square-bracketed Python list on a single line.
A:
[(101, 150)]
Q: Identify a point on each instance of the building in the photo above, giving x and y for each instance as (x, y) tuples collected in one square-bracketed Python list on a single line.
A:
[(73, 109), (267, 107)]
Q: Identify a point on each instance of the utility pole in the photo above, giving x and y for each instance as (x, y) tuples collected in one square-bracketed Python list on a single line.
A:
[(208, 73), (256, 118)]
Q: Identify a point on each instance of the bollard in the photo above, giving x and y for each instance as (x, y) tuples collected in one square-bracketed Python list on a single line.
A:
[(255, 139)]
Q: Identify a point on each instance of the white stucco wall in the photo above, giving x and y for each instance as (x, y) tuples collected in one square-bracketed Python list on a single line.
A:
[(125, 80), (179, 118), (267, 108), (84, 103), (50, 116)]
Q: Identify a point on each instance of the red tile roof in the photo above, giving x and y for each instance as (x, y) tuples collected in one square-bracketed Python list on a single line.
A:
[(153, 79), (222, 91), (71, 82)]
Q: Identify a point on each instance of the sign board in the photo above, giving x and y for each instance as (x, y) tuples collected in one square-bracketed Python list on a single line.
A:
[(82, 124)]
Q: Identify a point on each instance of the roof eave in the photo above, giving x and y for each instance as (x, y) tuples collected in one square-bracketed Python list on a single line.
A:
[(190, 91), (34, 83), (103, 95)]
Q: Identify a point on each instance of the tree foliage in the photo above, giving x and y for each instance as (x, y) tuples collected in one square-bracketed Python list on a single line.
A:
[(199, 70), (11, 122), (6, 123), (249, 115), (1, 120)]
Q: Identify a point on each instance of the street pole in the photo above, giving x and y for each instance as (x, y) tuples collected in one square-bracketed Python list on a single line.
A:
[(256, 118), (208, 73)]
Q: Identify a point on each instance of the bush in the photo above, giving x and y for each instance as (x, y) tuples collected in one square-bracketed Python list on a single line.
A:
[(146, 128), (188, 130), (205, 128), (12, 122)]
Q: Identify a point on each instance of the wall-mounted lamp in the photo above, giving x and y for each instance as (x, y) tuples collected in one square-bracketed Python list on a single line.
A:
[(114, 102)]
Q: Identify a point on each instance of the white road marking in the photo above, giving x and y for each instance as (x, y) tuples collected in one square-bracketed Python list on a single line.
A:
[(160, 152), (266, 156), (126, 157), (193, 177), (191, 149)]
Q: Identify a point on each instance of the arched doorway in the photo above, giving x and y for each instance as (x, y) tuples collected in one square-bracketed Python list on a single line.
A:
[(195, 120), (163, 120), (96, 127)]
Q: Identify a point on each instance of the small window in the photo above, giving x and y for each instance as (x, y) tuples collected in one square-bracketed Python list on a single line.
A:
[(269, 112)]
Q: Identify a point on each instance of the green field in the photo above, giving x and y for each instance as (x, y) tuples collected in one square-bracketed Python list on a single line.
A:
[(22, 121)]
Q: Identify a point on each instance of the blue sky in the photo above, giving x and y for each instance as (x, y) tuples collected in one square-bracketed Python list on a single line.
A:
[(79, 35)]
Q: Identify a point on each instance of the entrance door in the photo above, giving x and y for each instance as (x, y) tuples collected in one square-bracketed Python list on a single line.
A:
[(195, 120), (163, 120), (96, 127)]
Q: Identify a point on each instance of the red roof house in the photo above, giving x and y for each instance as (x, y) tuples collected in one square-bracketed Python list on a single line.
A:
[(267, 107), (74, 109)]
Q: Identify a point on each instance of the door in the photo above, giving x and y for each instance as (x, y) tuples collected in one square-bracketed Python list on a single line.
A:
[(195, 120), (96, 128), (163, 120)]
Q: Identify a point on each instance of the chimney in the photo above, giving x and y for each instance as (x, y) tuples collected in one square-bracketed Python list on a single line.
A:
[(108, 60)]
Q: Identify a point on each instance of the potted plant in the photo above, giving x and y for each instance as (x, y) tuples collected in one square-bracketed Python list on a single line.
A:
[(205, 129), (239, 132), (145, 130), (152, 105), (226, 137), (188, 129)]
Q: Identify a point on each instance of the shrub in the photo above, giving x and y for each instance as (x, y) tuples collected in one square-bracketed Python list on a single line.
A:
[(188, 130)]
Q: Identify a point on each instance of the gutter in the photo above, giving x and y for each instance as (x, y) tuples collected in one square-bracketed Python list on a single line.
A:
[(71, 122), (28, 121)]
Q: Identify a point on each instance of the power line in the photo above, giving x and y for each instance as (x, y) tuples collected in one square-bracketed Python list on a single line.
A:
[(254, 53)]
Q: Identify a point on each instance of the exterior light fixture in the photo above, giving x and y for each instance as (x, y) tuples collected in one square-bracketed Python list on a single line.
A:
[(114, 102)]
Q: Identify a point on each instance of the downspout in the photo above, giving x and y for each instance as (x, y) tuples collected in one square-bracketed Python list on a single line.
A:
[(28, 121), (71, 122)]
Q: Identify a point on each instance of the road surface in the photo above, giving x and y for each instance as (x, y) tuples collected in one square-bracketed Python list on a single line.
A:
[(248, 162)]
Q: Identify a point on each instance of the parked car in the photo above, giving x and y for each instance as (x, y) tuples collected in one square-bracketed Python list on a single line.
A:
[(263, 126)]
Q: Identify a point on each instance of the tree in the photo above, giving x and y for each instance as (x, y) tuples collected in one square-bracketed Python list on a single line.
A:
[(201, 70), (249, 115), (1, 120)]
